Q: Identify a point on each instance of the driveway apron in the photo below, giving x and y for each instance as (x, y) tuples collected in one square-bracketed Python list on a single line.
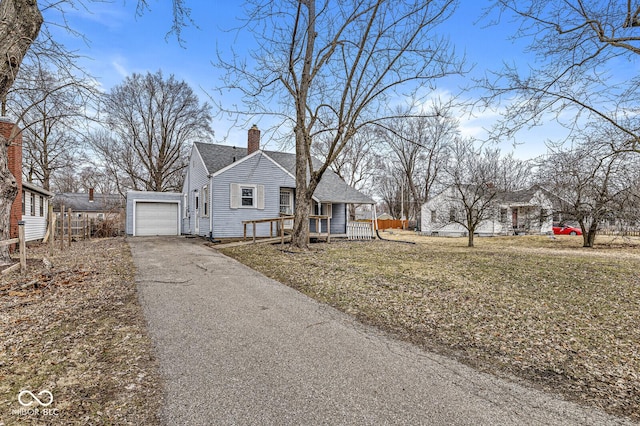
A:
[(236, 347)]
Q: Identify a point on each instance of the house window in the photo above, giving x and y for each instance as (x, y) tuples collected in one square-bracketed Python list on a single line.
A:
[(41, 206), (503, 215), (24, 208), (33, 204), (185, 206), (452, 214), (434, 216), (205, 200), (247, 194)]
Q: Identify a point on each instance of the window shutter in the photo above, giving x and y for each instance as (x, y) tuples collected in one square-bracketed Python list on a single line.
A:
[(234, 196), (260, 200)]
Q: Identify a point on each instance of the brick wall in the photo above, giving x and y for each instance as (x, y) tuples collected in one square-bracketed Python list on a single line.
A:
[(14, 154)]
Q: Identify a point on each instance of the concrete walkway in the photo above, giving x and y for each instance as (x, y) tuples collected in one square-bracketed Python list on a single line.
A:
[(238, 348)]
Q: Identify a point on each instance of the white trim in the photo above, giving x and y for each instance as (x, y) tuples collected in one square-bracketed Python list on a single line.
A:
[(279, 166), (254, 195), (195, 148), (135, 202), (240, 161), (210, 206), (204, 199), (34, 188), (313, 197)]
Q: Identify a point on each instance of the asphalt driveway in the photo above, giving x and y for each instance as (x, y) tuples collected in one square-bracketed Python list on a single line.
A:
[(236, 347)]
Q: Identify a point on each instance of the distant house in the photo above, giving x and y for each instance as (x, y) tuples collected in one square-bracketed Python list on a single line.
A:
[(527, 211), (225, 185), (93, 206)]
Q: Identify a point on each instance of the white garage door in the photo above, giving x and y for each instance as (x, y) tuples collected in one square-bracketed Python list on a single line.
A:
[(156, 219)]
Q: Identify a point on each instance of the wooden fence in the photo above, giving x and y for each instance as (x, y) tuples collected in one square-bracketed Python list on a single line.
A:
[(22, 247), (392, 223), (619, 232)]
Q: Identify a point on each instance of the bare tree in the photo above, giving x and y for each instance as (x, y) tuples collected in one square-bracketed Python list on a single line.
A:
[(421, 146), (356, 162), (20, 26), (578, 46), (593, 184), (474, 180), (50, 106), (153, 121), (337, 67), (391, 186)]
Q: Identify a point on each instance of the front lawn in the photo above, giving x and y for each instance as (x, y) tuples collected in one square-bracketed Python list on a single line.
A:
[(563, 317)]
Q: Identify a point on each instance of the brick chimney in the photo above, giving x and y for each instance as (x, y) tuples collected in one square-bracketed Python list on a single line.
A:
[(91, 195), (253, 142), (14, 158)]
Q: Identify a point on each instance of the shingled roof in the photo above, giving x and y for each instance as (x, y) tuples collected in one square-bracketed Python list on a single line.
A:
[(79, 202), (330, 189)]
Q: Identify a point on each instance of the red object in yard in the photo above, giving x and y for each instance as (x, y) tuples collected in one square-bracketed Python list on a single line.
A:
[(566, 230)]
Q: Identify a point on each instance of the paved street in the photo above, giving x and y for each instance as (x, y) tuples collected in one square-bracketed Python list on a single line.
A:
[(238, 348)]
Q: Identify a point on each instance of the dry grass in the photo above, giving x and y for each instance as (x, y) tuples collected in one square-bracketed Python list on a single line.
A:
[(563, 317), (77, 330)]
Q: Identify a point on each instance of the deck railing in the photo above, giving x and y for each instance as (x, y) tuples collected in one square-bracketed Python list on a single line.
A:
[(279, 221)]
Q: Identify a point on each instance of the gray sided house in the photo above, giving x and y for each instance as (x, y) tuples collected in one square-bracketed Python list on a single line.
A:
[(527, 211), (226, 185)]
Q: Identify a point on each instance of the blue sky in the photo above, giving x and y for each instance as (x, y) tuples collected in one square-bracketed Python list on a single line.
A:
[(121, 43)]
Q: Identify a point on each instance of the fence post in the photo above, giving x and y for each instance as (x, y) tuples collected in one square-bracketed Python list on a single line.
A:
[(52, 228), (62, 227), (281, 232), (70, 227), (23, 247)]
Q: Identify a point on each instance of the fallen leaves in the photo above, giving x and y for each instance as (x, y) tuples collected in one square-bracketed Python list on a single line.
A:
[(72, 325), (565, 318)]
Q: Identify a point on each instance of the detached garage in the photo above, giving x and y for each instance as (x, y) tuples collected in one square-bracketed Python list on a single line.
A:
[(153, 213)]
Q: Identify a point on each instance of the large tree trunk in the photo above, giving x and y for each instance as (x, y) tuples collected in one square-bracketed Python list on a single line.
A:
[(300, 234), (304, 189), (19, 26), (589, 237)]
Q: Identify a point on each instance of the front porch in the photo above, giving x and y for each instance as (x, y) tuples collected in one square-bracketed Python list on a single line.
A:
[(319, 228)]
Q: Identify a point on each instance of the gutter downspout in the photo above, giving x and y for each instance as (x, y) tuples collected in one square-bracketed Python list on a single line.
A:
[(210, 202)]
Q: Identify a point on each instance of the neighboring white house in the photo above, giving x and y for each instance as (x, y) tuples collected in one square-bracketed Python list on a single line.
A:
[(527, 211), (35, 208)]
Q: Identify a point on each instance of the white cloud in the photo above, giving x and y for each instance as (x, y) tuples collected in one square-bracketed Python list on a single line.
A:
[(120, 69)]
